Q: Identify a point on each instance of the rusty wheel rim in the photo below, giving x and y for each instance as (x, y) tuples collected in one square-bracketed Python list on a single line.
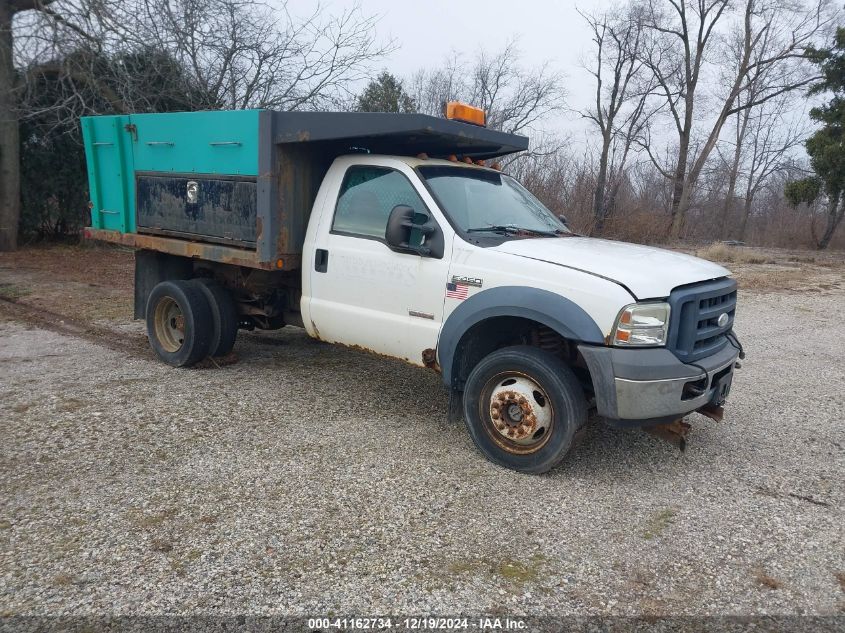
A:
[(517, 412), (169, 324)]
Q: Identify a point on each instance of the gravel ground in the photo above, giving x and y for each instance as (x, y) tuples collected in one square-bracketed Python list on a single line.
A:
[(310, 479)]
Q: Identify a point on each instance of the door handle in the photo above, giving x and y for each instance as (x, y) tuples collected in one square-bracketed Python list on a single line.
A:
[(321, 260)]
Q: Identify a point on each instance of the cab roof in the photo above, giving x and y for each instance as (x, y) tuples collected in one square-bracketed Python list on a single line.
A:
[(393, 134)]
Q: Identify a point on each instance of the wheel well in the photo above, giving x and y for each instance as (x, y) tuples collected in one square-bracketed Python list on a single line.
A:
[(504, 331), (263, 298)]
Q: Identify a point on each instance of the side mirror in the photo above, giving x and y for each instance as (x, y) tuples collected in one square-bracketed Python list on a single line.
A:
[(413, 232), (562, 218), (398, 230)]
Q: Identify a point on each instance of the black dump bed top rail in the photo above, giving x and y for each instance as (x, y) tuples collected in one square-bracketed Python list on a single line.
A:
[(390, 133)]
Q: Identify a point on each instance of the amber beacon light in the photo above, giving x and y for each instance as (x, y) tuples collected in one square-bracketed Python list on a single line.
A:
[(457, 111)]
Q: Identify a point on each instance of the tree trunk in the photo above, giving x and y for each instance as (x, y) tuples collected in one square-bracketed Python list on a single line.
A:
[(726, 209), (688, 181), (834, 217), (685, 182), (614, 193), (682, 206), (746, 213), (10, 200), (678, 188), (732, 177), (600, 197)]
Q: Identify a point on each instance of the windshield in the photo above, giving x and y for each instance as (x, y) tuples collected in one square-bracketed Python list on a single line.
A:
[(487, 201)]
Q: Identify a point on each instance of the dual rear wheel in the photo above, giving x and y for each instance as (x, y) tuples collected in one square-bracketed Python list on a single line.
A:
[(188, 320)]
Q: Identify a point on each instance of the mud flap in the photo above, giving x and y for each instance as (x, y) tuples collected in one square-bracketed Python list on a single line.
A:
[(455, 408)]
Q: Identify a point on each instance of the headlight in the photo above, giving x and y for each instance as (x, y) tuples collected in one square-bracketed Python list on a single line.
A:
[(641, 324)]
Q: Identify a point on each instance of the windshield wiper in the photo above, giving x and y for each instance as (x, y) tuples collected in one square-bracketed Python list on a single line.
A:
[(514, 230)]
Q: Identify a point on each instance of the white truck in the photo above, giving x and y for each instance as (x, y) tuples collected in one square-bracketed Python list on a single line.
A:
[(387, 232)]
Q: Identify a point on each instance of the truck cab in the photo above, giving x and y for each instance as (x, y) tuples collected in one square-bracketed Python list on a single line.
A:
[(451, 265)]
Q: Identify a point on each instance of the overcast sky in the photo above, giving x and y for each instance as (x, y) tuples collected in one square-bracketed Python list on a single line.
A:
[(425, 31), (546, 30)]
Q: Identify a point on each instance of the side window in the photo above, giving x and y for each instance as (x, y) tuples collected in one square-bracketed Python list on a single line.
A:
[(367, 196)]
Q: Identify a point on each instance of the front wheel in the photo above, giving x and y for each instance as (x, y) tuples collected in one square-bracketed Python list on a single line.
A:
[(522, 406)]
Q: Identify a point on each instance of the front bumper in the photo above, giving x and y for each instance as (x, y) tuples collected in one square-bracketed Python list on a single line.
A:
[(644, 386)]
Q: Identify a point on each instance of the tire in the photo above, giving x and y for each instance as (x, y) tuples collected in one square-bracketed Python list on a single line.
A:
[(224, 316), (538, 402), (179, 323)]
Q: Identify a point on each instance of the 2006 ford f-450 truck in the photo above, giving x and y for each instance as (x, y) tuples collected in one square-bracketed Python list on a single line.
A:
[(386, 232)]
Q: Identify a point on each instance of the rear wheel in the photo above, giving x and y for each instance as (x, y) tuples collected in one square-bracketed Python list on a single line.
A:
[(522, 406), (224, 316), (179, 323)]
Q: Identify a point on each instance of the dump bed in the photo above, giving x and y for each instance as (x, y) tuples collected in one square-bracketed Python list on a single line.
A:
[(238, 186)]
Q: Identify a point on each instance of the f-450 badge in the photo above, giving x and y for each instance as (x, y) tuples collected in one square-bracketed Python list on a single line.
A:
[(467, 281)]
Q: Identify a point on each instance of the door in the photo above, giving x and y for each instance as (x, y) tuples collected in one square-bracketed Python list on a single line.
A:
[(364, 293), (111, 174)]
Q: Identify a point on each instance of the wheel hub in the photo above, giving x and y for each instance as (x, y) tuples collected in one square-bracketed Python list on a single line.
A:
[(519, 410), (512, 416), (169, 322)]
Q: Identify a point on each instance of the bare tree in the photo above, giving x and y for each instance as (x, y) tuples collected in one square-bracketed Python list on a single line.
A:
[(247, 54), (12, 11), (621, 110), (740, 131), (763, 140), (214, 54), (9, 135), (515, 98), (10, 199), (772, 135), (771, 37), (431, 88)]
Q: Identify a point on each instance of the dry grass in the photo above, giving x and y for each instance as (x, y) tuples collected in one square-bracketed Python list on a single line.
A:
[(767, 580), (770, 279), (658, 522), (151, 521), (95, 264), (13, 292), (71, 405), (517, 571), (718, 252), (161, 545), (777, 269)]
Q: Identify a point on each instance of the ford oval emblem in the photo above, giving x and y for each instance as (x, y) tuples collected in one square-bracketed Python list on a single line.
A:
[(723, 319)]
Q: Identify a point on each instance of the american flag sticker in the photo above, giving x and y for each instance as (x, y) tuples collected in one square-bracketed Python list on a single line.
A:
[(456, 290)]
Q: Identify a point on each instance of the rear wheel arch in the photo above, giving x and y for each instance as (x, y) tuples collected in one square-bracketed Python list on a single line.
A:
[(477, 326)]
